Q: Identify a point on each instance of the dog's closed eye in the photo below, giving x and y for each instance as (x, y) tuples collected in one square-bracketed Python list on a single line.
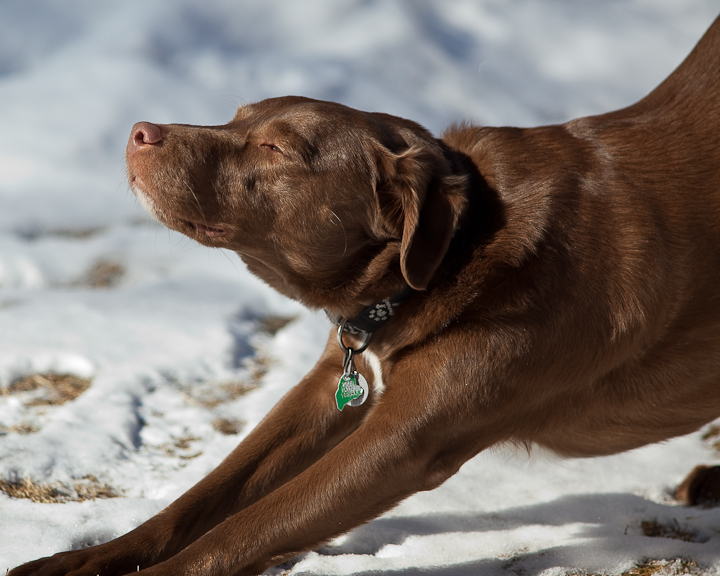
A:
[(272, 147)]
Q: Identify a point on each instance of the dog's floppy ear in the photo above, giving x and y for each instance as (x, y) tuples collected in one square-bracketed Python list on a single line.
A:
[(420, 202)]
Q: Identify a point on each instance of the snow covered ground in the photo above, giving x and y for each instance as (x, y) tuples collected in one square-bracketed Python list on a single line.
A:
[(172, 335)]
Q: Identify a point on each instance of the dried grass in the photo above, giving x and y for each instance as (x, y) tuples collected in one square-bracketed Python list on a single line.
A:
[(22, 429), (228, 426), (654, 529), (665, 568), (70, 233), (190, 456), (210, 395), (712, 435), (676, 567), (104, 274), (180, 444), (77, 233), (56, 389), (183, 443), (88, 488), (272, 323), (259, 366)]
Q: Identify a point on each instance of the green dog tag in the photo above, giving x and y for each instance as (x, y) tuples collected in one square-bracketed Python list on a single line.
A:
[(352, 390)]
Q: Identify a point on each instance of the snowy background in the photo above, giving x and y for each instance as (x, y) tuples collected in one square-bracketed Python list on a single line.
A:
[(172, 352)]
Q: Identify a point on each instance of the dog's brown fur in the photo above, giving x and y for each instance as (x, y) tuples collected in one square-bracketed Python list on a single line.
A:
[(566, 295)]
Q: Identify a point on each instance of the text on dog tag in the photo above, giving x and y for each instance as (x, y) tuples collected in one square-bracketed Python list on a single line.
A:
[(352, 390)]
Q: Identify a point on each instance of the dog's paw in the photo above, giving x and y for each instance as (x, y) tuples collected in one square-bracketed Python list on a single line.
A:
[(56, 565), (86, 562), (701, 487), (42, 567)]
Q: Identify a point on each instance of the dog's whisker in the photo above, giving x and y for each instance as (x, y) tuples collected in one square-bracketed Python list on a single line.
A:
[(197, 203)]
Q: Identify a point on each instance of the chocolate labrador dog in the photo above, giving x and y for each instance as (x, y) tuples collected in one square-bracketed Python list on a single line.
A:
[(557, 286)]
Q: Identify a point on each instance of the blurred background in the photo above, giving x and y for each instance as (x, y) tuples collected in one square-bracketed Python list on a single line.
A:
[(174, 351)]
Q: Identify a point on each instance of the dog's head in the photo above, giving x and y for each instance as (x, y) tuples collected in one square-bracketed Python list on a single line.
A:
[(331, 206)]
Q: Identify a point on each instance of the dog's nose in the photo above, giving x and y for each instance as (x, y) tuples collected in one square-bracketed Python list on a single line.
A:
[(144, 135)]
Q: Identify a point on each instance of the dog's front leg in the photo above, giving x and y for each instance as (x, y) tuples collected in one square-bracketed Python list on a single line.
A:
[(302, 427), (408, 441)]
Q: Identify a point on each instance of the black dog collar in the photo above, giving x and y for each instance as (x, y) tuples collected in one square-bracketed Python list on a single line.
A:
[(373, 316)]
